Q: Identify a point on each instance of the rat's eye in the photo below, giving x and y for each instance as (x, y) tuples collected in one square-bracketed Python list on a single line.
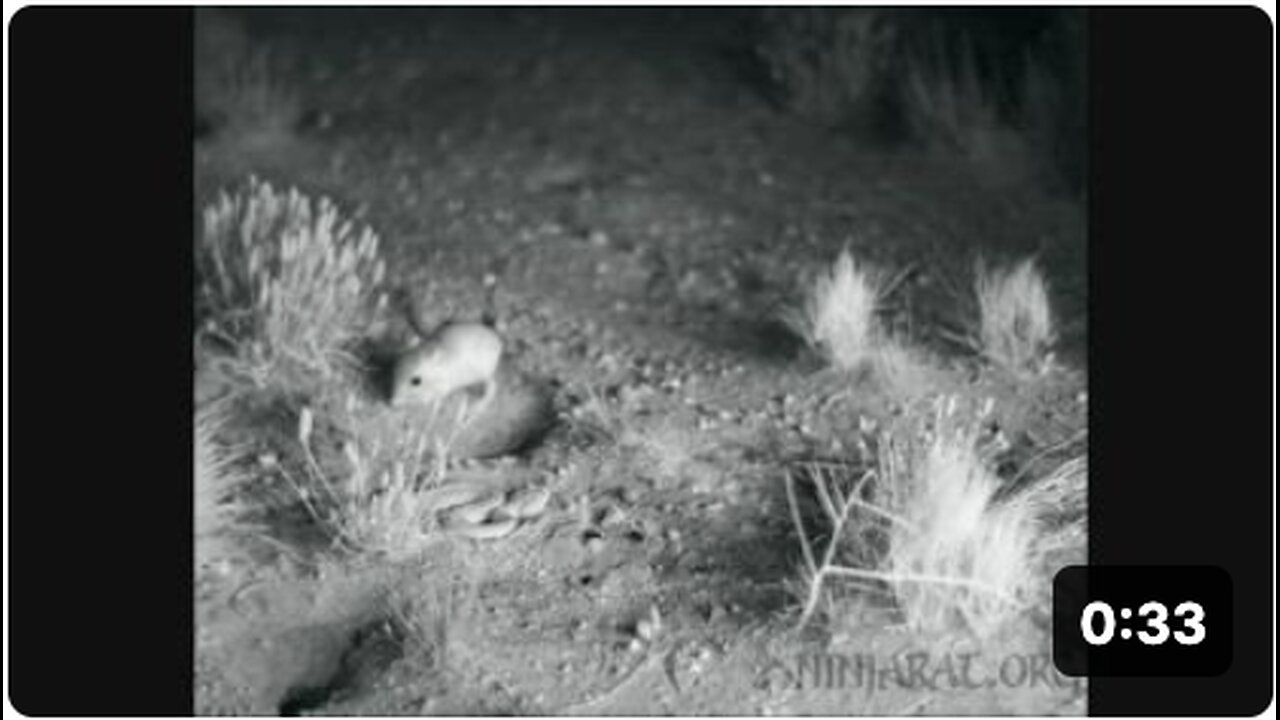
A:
[(415, 381)]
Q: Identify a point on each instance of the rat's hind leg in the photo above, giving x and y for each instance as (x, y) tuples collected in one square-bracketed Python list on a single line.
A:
[(489, 390)]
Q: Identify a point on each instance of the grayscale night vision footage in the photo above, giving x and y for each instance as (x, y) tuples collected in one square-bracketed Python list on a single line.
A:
[(637, 361)]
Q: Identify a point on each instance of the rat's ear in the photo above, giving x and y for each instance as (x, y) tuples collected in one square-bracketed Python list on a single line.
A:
[(411, 307), (409, 342)]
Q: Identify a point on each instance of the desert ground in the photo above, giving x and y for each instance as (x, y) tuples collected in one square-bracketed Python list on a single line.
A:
[(703, 497)]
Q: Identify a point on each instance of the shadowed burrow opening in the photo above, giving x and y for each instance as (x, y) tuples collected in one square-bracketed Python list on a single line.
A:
[(370, 650), (765, 340), (770, 339)]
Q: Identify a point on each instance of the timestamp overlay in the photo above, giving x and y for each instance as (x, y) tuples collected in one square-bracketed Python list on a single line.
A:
[(1142, 620)]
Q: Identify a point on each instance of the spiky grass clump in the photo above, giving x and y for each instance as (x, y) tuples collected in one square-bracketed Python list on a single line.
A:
[(287, 282), (839, 315), (826, 61), (218, 475), (1015, 322), (922, 518)]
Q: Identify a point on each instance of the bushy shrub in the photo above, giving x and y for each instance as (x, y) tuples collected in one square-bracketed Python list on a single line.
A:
[(287, 282)]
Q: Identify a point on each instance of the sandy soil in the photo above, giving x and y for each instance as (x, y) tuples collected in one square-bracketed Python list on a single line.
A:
[(647, 213)]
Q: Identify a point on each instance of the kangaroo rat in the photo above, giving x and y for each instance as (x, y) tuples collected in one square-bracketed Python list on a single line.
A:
[(454, 356)]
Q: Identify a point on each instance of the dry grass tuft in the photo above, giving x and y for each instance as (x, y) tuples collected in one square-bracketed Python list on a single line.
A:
[(287, 282), (217, 476), (839, 315), (378, 507), (1011, 108), (1015, 322), (953, 109), (239, 87), (826, 62), (923, 518), (956, 551), (423, 613)]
